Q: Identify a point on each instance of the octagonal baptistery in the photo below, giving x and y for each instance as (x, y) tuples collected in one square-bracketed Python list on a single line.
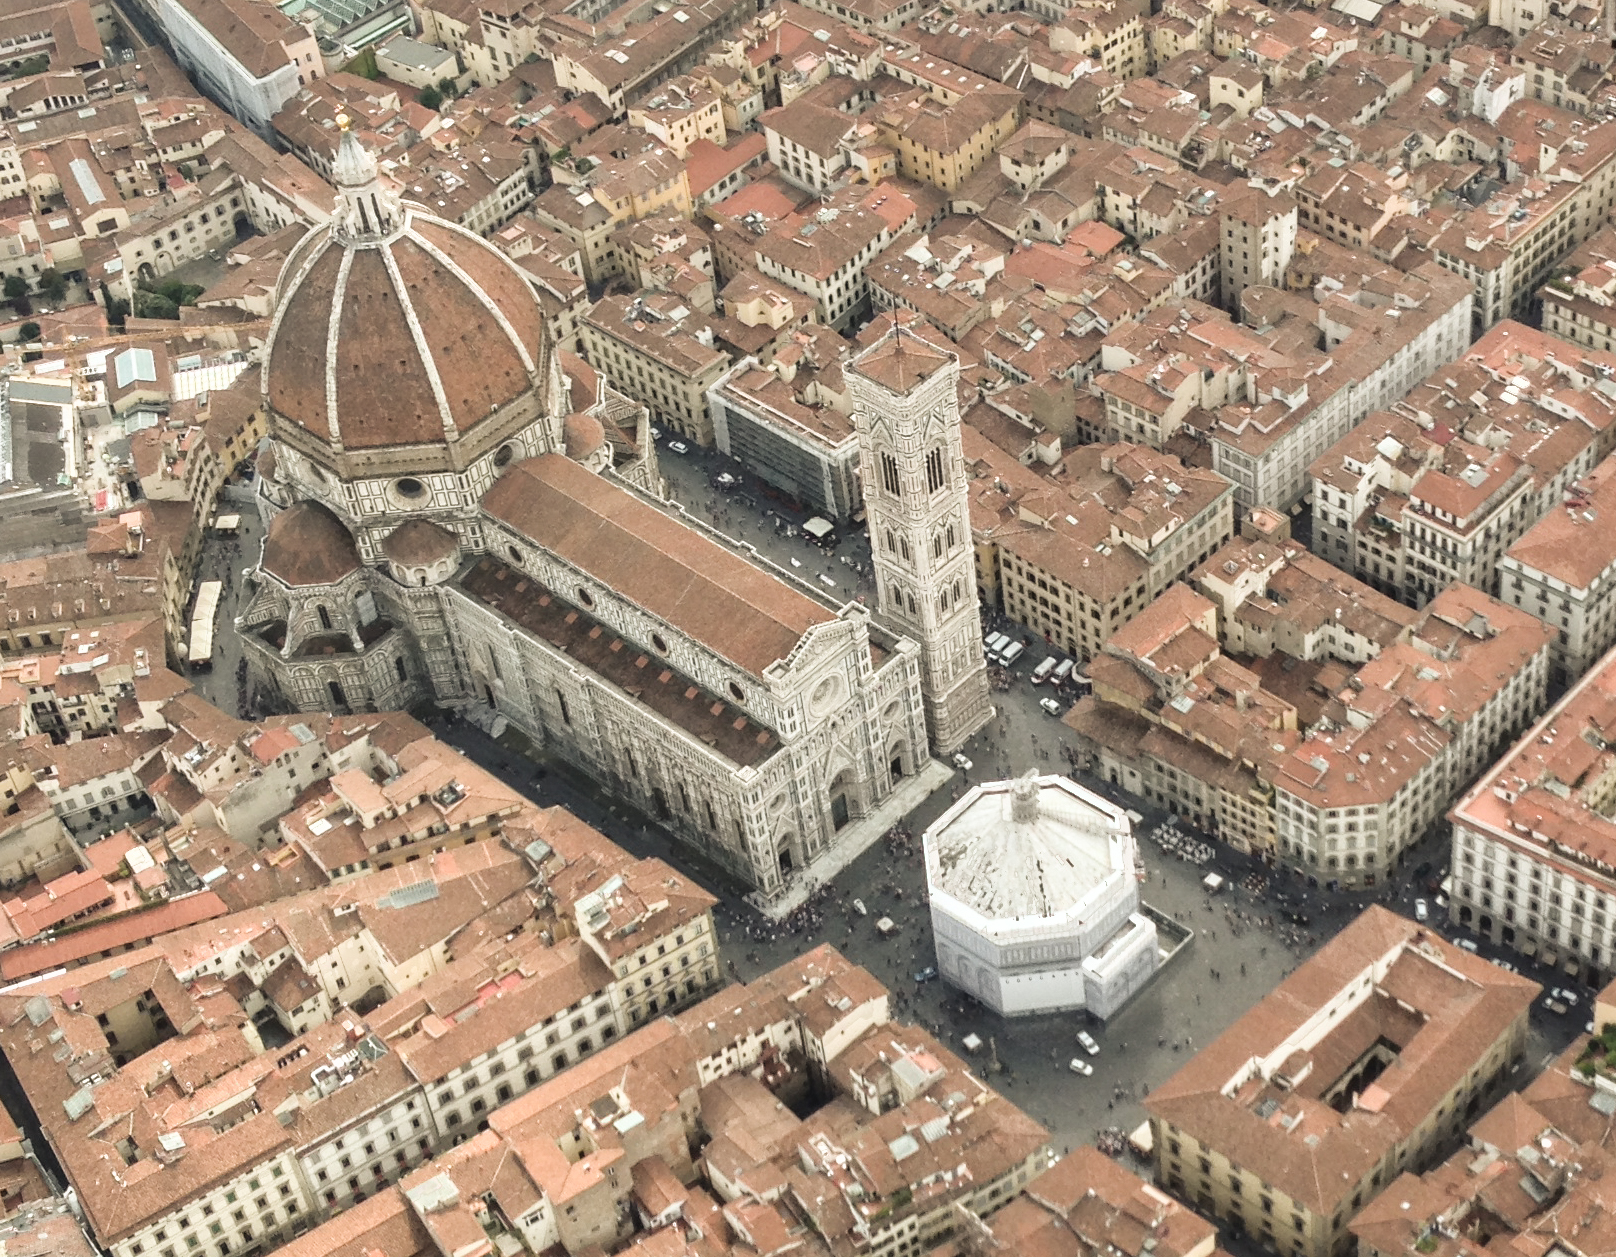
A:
[(407, 365), (1035, 898)]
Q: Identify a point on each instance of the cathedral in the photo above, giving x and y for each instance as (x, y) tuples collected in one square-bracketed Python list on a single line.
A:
[(457, 514)]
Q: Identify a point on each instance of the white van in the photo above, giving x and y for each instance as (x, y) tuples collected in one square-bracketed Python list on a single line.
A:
[(1011, 653), (995, 644), (1042, 672), (1063, 671)]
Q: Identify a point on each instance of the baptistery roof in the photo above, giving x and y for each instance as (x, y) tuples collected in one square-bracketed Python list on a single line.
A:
[(1026, 849), (396, 328)]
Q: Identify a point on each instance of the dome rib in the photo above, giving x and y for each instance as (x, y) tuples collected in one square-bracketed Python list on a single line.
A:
[(481, 293), (413, 321), (333, 333)]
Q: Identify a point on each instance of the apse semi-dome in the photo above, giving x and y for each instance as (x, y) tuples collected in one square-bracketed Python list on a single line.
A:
[(389, 292), (307, 545)]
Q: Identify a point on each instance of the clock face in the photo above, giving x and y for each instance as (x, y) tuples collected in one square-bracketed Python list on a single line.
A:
[(827, 694)]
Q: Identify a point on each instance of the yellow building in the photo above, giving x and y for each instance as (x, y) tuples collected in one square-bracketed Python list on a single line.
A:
[(945, 144), (679, 113), (1365, 1060)]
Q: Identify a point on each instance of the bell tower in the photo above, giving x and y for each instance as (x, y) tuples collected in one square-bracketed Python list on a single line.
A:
[(906, 413)]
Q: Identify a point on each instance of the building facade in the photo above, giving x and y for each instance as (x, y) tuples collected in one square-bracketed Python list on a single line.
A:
[(1534, 844), (1563, 571)]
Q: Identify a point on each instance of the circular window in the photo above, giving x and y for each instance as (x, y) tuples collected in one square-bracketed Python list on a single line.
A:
[(826, 694), (660, 642), (516, 555), (737, 693), (503, 455), (409, 488), (585, 597)]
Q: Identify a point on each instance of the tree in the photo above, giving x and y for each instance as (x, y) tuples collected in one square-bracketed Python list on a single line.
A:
[(153, 305), (117, 311), (181, 294), (447, 86), (364, 65), (16, 287), (431, 97), (52, 286), (28, 332), (30, 67)]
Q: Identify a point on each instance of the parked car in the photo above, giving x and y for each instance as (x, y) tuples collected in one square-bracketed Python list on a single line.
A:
[(1556, 1007), (1422, 911), (962, 763), (926, 974), (1566, 996), (1468, 944), (678, 447), (1051, 706), (1088, 1044), (1080, 1066), (1506, 966)]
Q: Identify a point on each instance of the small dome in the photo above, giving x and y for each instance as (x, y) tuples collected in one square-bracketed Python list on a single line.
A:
[(308, 545), (420, 543), (583, 435)]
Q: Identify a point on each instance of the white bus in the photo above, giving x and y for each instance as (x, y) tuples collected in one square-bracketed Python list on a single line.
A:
[(208, 593)]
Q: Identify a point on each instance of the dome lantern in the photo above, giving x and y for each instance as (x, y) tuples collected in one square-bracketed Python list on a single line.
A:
[(365, 210)]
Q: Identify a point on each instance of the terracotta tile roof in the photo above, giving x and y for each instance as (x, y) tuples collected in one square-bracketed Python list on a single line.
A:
[(732, 607), (900, 361), (308, 545), (1442, 1007), (481, 330)]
